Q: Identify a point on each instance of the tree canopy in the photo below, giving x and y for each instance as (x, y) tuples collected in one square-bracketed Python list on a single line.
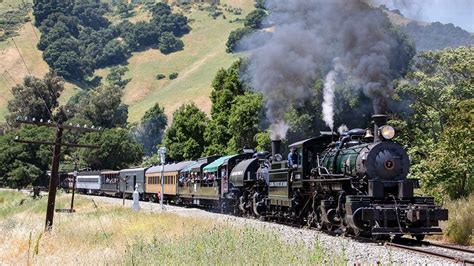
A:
[(437, 87), (151, 128), (118, 150), (184, 139), (93, 42), (35, 97), (25, 164)]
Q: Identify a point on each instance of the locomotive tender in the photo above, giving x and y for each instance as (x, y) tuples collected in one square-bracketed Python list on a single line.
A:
[(355, 183)]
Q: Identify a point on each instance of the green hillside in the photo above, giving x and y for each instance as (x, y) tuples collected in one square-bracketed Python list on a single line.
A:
[(203, 55)]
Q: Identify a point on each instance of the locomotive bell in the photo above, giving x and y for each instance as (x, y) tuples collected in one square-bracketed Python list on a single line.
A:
[(368, 134)]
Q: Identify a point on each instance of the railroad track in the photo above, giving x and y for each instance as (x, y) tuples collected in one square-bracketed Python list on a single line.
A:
[(456, 254)]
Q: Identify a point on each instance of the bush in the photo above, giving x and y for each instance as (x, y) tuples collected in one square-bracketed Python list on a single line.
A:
[(160, 76), (460, 225), (169, 43), (173, 75), (235, 37)]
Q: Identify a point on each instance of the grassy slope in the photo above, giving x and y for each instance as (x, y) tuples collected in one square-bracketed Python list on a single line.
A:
[(197, 64), (203, 55), (12, 69), (101, 233)]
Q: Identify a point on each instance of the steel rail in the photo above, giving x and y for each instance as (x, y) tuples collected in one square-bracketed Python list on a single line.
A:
[(432, 253), (448, 247)]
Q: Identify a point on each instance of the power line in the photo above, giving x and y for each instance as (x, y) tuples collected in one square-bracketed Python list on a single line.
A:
[(34, 31), (21, 56)]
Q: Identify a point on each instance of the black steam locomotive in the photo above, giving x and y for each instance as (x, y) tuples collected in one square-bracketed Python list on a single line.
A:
[(356, 185)]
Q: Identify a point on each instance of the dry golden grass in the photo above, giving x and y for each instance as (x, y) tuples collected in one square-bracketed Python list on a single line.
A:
[(101, 233), (459, 228), (90, 236)]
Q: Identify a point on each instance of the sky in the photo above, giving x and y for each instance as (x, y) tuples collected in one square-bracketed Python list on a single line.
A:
[(458, 12)]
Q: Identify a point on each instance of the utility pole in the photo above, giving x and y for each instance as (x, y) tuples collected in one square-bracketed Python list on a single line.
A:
[(162, 159), (74, 182), (54, 180)]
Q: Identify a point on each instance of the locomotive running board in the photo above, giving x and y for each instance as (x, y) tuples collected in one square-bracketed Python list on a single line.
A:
[(396, 230)]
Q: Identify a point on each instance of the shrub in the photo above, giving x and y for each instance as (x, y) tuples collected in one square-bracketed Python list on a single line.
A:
[(173, 75), (160, 76), (460, 225)]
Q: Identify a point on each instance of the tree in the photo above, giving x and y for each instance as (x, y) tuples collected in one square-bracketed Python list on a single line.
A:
[(151, 128), (244, 121), (169, 43), (35, 97), (438, 82), (234, 38), (103, 107), (90, 13), (118, 150), (115, 77), (226, 86), (24, 164), (449, 167), (43, 8), (113, 53), (184, 139), (254, 19)]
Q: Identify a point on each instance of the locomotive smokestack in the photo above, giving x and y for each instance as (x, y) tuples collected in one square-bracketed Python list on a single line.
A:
[(379, 120), (276, 145)]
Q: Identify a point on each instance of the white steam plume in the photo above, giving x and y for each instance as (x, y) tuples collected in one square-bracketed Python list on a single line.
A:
[(328, 99)]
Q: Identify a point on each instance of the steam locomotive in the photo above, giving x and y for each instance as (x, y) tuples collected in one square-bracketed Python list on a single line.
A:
[(355, 183)]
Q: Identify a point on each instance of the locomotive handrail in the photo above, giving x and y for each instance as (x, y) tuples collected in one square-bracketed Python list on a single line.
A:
[(328, 180)]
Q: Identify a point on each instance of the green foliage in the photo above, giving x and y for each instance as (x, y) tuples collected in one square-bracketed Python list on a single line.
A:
[(244, 121), (437, 85), (24, 164), (254, 19), (226, 86), (104, 107), (35, 97), (173, 75), (184, 139), (169, 43), (160, 76), (263, 141), (448, 168), (115, 77), (234, 38), (93, 42), (118, 150), (151, 129)]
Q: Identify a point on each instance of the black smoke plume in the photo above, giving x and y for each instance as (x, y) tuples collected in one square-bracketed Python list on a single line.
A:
[(310, 35)]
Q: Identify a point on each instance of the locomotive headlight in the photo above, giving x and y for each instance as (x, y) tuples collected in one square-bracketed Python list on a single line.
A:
[(387, 132)]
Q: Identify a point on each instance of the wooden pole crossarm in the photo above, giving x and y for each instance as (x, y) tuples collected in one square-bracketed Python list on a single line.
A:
[(53, 143), (59, 125)]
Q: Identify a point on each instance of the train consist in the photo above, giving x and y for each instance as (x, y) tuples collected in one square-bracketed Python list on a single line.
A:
[(355, 183)]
